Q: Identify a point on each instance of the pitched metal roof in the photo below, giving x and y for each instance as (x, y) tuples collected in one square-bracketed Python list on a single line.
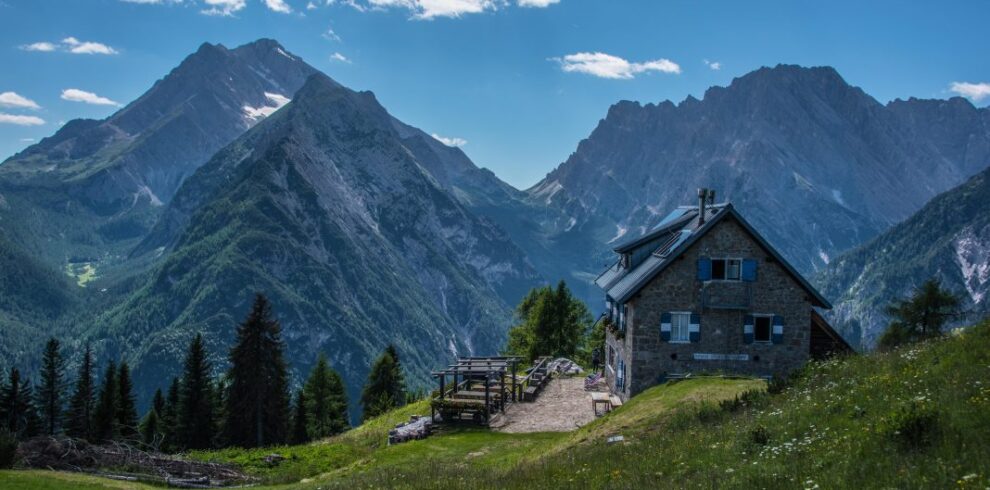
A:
[(620, 283)]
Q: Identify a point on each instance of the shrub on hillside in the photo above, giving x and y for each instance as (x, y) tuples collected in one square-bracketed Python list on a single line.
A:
[(8, 449), (915, 426)]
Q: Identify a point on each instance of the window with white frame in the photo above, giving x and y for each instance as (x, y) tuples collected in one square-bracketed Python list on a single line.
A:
[(679, 326), (727, 269), (762, 328)]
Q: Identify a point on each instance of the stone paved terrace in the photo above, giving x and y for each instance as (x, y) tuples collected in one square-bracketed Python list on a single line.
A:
[(562, 406)]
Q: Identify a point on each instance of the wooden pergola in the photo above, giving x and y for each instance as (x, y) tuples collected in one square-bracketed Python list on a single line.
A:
[(479, 387)]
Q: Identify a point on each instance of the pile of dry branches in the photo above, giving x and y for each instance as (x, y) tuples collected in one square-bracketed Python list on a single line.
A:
[(123, 461)]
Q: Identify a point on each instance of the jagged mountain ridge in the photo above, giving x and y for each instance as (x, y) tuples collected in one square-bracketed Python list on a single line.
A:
[(816, 164), (96, 186), (325, 207), (948, 239)]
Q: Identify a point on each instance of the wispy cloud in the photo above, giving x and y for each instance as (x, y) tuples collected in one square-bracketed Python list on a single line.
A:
[(331, 35), (151, 2), (714, 65), (224, 8), (455, 142), (76, 95), (608, 66), (278, 6), (339, 57), (973, 91), (431, 9), (20, 120), (536, 3), (42, 46), (27, 140), (13, 99), (70, 45), (86, 47)]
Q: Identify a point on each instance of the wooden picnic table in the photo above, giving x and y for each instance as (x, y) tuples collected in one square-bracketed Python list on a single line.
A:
[(598, 398), (476, 394)]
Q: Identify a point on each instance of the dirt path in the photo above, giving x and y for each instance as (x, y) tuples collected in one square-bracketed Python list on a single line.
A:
[(563, 406)]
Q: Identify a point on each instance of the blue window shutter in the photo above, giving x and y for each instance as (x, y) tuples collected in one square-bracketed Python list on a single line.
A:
[(778, 329), (694, 328), (749, 270), (665, 327), (748, 330), (704, 269)]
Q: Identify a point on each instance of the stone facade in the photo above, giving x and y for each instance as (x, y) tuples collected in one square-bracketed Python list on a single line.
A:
[(722, 307)]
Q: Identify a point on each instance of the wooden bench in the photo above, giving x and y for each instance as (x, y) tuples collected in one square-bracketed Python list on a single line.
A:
[(529, 394), (614, 402)]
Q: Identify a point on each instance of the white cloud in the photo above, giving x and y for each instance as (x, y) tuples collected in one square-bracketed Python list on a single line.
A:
[(431, 9), (973, 91), (608, 66), (20, 120), (223, 7), (27, 140), (311, 6), (79, 47), (331, 35), (455, 142), (76, 95), (339, 57), (536, 3), (714, 65), (13, 99), (151, 2), (278, 6), (42, 46), (71, 45)]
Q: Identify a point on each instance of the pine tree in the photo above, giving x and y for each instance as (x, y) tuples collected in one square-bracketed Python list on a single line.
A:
[(257, 402), (51, 395), (105, 413), (79, 418), (126, 415), (169, 416), (300, 421), (379, 394), (552, 322), (317, 400), (195, 421), (17, 411)]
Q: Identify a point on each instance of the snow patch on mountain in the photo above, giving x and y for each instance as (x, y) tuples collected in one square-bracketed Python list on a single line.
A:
[(275, 102)]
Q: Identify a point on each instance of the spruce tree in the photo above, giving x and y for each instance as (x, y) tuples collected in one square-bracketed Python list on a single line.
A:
[(17, 411), (79, 417), (151, 429), (195, 420), (920, 317), (51, 393), (169, 417), (379, 394), (126, 416), (158, 402), (105, 413), (257, 400), (317, 400), (300, 420)]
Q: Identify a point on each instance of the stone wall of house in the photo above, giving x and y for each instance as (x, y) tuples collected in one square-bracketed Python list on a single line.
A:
[(649, 359)]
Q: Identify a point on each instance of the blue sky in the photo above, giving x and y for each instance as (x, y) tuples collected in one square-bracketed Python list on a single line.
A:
[(518, 83)]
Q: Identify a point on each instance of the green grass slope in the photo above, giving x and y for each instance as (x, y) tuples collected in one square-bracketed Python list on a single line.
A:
[(918, 417)]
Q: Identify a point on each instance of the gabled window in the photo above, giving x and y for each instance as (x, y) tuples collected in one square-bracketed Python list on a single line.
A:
[(727, 269)]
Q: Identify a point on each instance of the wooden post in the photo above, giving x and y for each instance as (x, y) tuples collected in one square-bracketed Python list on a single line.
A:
[(442, 387), (514, 363), (501, 391), (455, 380), (487, 402)]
